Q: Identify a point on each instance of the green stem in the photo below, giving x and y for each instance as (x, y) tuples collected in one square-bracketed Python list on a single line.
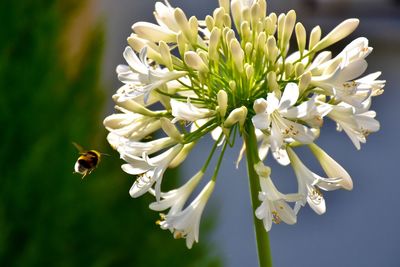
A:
[(263, 248)]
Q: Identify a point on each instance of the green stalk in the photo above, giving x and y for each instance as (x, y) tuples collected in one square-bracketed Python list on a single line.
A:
[(263, 248)]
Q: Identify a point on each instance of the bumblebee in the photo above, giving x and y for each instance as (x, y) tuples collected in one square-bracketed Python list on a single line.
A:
[(87, 161)]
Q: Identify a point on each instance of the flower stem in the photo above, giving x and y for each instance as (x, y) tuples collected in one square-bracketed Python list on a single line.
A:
[(263, 248)]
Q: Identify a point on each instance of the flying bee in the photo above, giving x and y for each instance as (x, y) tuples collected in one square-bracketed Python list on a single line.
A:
[(87, 161)]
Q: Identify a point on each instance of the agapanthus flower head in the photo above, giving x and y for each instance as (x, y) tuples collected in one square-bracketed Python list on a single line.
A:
[(235, 73)]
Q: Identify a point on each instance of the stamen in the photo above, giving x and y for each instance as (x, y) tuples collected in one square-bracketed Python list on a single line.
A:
[(142, 180), (350, 87), (179, 234), (275, 217), (365, 132), (315, 195)]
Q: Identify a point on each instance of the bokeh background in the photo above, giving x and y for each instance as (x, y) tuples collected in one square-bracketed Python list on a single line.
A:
[(57, 75)]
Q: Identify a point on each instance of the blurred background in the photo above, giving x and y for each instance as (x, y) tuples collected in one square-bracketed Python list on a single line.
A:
[(57, 75)]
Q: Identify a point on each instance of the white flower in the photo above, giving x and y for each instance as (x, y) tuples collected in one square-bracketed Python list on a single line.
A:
[(331, 167), (309, 184), (149, 170), (272, 114), (357, 124), (273, 207), (137, 148), (338, 74), (186, 223), (176, 199), (370, 82), (141, 78), (188, 112), (129, 125)]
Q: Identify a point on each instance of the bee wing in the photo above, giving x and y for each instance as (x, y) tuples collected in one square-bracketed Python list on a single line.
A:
[(80, 148)]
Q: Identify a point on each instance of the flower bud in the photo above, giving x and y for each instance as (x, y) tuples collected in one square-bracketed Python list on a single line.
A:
[(304, 82), (183, 23), (222, 98), (315, 36), (281, 24), (182, 44), (245, 31), (210, 23), (225, 5), (229, 36), (237, 54), (248, 48), (194, 61), (138, 44), (271, 49), (232, 85), (249, 69), (182, 155), (136, 107), (263, 8), (238, 115), (299, 69), (262, 170), (153, 32), (236, 13), (166, 55), (227, 20), (272, 83), (219, 17), (288, 69), (261, 40), (246, 16), (194, 26), (255, 14), (170, 129), (269, 26), (214, 43), (290, 20), (301, 37)]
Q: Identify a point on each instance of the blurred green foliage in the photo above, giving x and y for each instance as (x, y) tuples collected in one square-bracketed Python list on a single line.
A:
[(48, 216)]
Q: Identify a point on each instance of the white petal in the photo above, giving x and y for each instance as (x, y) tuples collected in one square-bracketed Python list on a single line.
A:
[(318, 205), (165, 16), (263, 212), (273, 103), (188, 111), (352, 71), (261, 121), (289, 96), (133, 61), (299, 132), (285, 212)]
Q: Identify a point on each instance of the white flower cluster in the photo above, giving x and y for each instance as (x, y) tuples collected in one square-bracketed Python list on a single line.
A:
[(187, 77)]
